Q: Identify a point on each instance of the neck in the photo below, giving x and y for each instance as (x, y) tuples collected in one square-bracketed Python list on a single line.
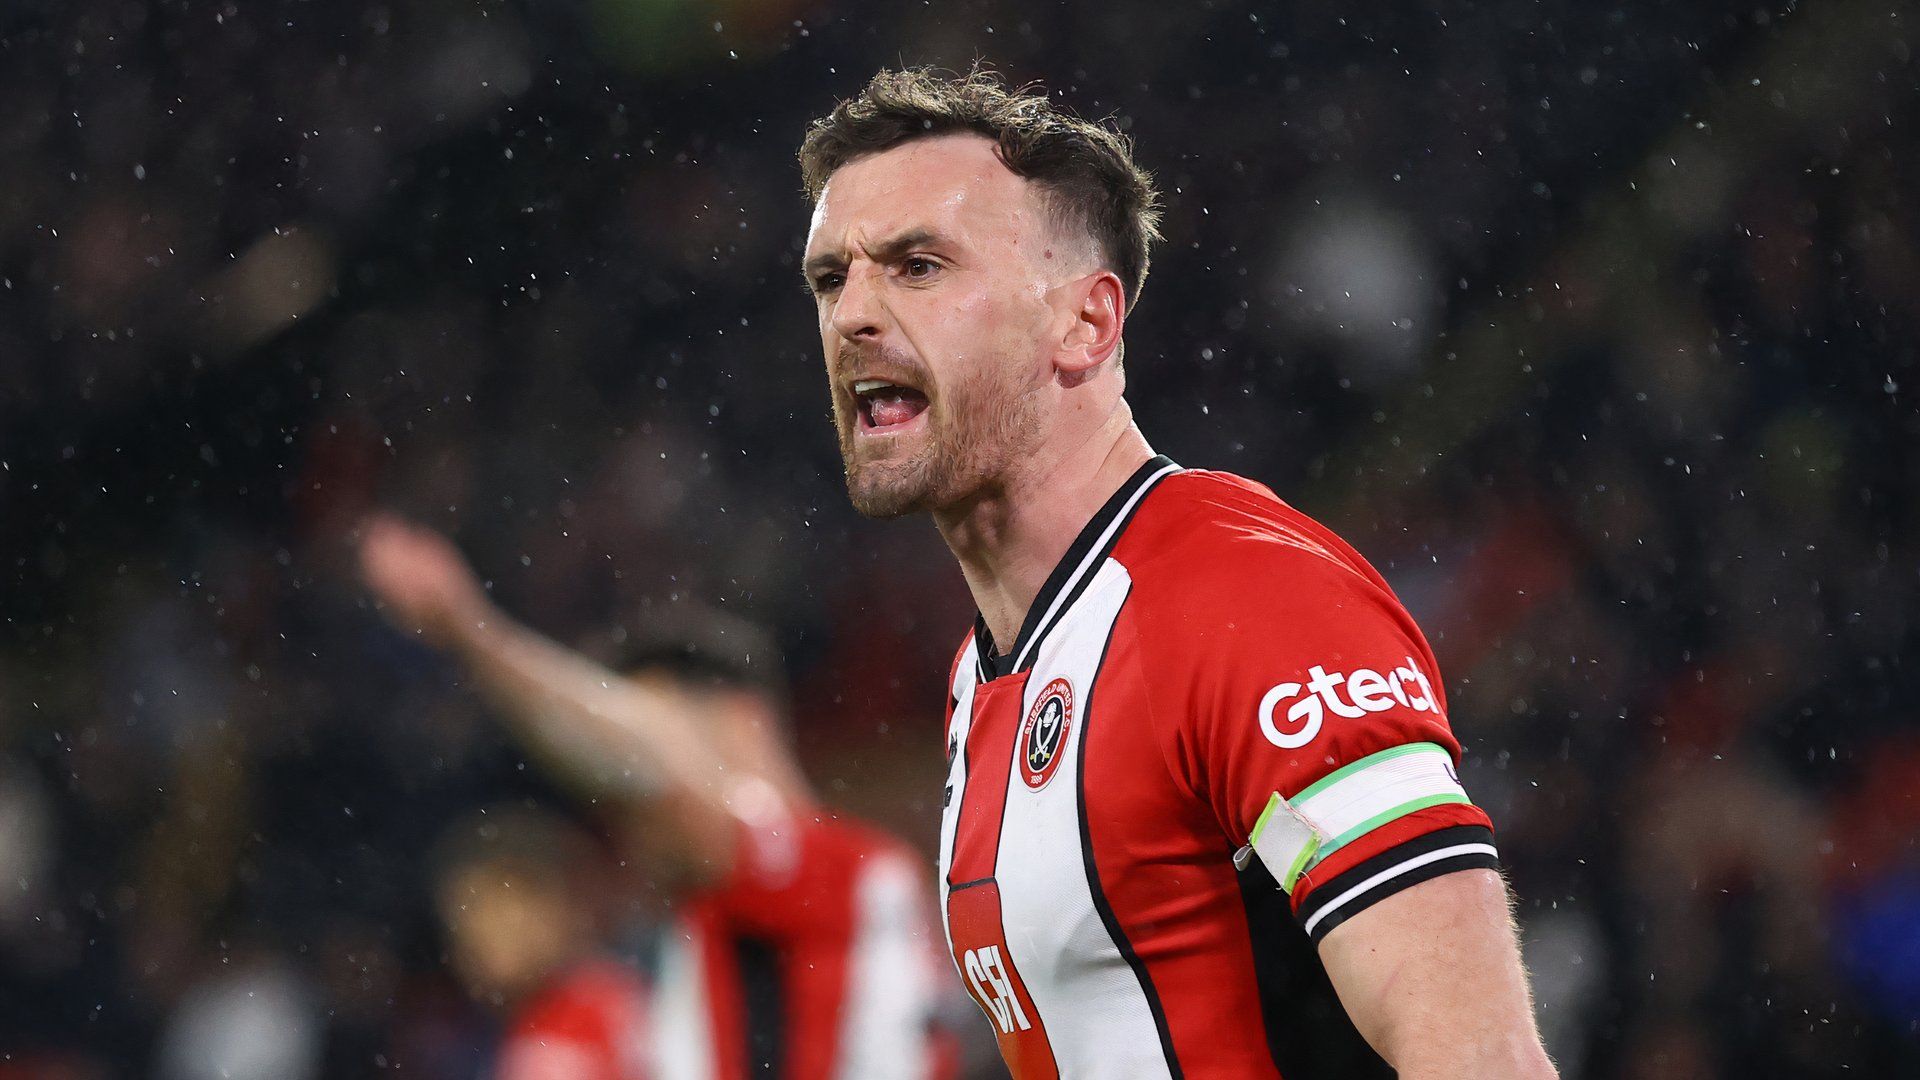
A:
[(1009, 539)]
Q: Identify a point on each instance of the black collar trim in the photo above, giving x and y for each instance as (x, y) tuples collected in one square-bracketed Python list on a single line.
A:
[(1071, 577)]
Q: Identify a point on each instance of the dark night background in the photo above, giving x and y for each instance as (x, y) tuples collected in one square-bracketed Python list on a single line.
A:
[(1591, 325)]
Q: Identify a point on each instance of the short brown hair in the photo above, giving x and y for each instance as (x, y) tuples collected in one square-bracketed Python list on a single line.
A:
[(697, 644), (1086, 168)]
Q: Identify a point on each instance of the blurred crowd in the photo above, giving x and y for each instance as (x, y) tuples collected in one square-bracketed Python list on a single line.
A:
[(1593, 326)]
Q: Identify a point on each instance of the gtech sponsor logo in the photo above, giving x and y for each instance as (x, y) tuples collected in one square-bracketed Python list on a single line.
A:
[(1367, 691)]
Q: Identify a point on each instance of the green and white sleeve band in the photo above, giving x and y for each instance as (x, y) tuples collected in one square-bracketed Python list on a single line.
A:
[(1294, 834)]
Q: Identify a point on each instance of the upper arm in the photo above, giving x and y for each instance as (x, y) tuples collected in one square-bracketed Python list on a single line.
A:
[(1439, 957), (1325, 747), (1316, 731)]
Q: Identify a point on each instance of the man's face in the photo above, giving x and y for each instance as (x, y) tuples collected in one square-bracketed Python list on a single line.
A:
[(933, 266), (506, 930)]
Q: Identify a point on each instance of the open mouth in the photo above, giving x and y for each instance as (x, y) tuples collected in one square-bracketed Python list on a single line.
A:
[(886, 406)]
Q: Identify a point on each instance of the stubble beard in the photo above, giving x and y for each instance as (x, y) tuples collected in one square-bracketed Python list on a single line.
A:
[(975, 433)]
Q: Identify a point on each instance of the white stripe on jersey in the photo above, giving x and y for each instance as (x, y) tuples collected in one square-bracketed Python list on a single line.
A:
[(889, 999), (682, 1038), (1098, 1020)]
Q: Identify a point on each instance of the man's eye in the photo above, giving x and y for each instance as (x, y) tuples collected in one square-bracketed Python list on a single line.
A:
[(826, 283), (919, 268)]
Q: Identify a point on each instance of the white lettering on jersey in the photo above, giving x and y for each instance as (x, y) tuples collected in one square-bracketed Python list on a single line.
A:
[(1368, 691), (995, 990)]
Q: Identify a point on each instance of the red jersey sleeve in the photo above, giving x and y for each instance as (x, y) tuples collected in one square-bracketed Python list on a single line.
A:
[(1308, 714), (587, 1023)]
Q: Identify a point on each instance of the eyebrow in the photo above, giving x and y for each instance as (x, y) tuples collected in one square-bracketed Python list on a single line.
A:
[(885, 251)]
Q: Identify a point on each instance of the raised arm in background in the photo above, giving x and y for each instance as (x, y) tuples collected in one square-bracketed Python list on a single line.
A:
[(649, 743)]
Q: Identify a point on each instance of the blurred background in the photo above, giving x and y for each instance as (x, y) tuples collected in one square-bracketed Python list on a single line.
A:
[(1592, 325)]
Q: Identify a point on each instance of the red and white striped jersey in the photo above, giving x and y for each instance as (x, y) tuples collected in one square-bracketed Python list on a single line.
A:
[(588, 1022), (1208, 680), (815, 959)]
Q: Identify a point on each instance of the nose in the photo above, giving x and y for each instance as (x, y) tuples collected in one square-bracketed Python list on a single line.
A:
[(857, 312)]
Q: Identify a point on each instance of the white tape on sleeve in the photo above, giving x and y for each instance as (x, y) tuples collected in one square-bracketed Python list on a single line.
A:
[(1348, 803)]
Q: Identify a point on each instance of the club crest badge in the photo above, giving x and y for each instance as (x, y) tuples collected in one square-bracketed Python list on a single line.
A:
[(1043, 738)]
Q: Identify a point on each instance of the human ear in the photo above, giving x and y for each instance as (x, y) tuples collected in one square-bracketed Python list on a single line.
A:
[(1094, 335)]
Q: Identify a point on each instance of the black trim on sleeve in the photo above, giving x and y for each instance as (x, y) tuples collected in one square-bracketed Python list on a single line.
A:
[(1331, 896)]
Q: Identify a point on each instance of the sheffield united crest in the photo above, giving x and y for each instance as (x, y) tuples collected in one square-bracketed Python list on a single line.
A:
[(1043, 738)]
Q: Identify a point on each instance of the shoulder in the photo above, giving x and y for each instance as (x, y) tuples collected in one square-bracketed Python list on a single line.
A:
[(837, 849), (852, 837), (1210, 546), (815, 881), (870, 872), (1248, 609), (582, 1001)]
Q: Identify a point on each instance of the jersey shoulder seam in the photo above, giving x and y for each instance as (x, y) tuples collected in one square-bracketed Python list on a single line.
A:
[(1261, 531)]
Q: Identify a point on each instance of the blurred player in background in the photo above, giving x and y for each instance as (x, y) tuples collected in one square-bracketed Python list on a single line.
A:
[(517, 892), (1168, 667), (803, 944)]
